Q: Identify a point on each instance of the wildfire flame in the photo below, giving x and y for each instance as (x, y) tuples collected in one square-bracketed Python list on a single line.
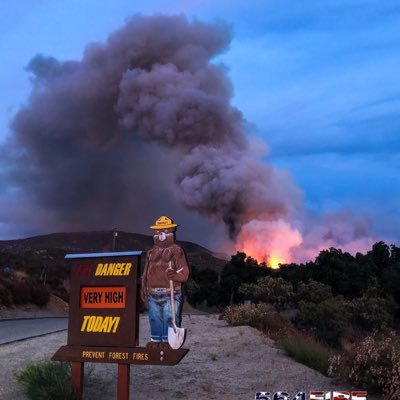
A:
[(274, 261), (268, 241)]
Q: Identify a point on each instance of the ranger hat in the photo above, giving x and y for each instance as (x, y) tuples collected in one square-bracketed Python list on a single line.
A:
[(164, 223)]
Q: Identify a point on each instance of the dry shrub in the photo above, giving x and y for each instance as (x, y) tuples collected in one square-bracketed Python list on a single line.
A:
[(40, 294), (21, 291), (259, 317), (18, 288), (244, 314), (374, 364)]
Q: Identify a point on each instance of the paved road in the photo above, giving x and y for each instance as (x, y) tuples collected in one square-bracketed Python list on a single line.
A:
[(18, 329), (12, 330)]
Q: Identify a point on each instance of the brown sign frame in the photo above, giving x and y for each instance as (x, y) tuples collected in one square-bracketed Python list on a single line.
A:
[(120, 355), (103, 327)]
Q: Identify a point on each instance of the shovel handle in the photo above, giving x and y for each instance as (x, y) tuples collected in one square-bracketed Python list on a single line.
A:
[(171, 286)]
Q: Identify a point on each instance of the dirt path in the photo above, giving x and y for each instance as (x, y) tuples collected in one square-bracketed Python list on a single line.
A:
[(223, 362)]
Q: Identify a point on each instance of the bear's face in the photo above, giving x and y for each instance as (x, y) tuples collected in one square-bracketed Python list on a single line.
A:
[(164, 237)]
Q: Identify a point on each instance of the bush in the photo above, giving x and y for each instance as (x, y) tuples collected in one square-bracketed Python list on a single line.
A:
[(19, 288), (47, 380), (313, 292), (370, 313), (244, 314), (308, 351), (374, 364), (269, 290), (274, 325), (328, 320)]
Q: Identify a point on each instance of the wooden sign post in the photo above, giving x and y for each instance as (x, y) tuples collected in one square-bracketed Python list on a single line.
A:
[(103, 323)]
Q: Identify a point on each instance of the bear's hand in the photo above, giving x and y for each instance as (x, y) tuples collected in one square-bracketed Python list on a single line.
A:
[(171, 273)]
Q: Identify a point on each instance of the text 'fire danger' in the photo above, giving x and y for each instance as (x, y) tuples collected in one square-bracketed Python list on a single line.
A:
[(113, 269)]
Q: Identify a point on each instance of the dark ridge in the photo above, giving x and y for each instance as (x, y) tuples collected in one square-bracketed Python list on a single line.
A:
[(102, 241)]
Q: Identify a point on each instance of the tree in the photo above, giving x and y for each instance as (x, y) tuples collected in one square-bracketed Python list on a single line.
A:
[(329, 320), (394, 254), (313, 292), (276, 291), (241, 269), (390, 281), (342, 272), (381, 255)]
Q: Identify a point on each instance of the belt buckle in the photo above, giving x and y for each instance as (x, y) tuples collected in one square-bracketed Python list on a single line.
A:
[(160, 290)]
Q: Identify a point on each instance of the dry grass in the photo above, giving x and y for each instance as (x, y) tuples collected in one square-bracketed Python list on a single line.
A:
[(308, 351)]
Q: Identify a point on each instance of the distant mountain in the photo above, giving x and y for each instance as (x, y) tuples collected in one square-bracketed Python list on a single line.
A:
[(84, 242)]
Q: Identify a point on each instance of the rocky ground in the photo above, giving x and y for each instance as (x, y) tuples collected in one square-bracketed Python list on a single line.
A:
[(223, 362)]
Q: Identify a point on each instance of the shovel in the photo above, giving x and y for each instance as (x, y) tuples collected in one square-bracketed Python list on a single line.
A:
[(176, 336)]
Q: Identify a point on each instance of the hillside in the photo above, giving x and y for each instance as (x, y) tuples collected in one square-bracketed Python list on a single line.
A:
[(56, 244)]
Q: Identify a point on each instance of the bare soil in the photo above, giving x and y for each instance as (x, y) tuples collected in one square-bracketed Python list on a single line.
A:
[(223, 362)]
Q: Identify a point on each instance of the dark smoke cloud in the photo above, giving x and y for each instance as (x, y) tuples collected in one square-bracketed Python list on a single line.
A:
[(231, 184), (141, 118)]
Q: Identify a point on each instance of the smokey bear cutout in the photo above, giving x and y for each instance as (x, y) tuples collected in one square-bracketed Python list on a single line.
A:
[(166, 269)]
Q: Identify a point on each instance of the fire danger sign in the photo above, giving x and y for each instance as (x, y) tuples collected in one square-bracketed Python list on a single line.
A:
[(104, 299)]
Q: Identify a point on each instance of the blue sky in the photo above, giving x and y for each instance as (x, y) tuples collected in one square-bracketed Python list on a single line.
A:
[(317, 79)]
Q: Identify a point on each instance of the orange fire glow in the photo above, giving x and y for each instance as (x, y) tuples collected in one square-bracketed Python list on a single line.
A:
[(268, 241), (272, 260)]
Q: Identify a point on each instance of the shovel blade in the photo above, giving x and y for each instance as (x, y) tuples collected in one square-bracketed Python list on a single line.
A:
[(176, 337)]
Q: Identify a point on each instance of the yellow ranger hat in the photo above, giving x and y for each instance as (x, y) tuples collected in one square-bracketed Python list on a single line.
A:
[(164, 223)]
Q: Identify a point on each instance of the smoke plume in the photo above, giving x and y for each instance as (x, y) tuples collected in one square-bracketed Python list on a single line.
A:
[(151, 89), (140, 121)]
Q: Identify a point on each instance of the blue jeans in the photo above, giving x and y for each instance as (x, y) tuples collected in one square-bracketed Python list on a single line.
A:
[(160, 313)]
